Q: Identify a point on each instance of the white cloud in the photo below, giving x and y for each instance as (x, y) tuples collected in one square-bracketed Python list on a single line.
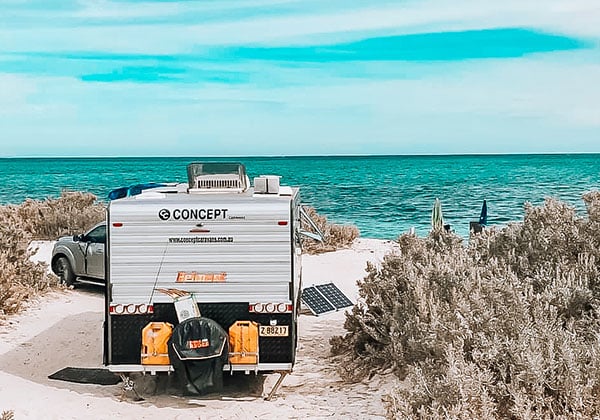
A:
[(491, 106), (582, 19), (312, 25), (14, 94), (103, 9)]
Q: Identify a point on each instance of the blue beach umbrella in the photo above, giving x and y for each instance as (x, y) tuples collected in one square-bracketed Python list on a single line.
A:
[(437, 220), (483, 215)]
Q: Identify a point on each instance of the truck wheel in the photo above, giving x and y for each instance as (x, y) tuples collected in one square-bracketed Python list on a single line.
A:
[(65, 271)]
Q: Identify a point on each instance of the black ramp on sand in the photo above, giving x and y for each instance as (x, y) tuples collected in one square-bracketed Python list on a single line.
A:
[(97, 376)]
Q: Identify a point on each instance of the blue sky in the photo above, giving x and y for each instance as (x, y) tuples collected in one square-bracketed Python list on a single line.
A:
[(298, 77)]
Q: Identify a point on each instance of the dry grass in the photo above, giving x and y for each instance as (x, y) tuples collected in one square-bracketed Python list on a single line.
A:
[(335, 236), (7, 415), (72, 212), (20, 278), (506, 327)]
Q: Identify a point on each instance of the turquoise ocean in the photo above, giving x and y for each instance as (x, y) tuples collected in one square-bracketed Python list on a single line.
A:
[(384, 196)]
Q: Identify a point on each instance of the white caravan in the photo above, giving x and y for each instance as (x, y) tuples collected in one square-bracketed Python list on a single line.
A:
[(234, 248)]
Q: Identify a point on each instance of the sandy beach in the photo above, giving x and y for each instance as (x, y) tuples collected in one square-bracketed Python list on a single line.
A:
[(64, 329)]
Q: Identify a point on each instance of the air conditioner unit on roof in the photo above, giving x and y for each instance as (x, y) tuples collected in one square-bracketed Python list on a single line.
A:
[(217, 176)]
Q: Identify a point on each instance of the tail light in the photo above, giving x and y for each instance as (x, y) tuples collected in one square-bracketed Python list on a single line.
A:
[(271, 308), (131, 309)]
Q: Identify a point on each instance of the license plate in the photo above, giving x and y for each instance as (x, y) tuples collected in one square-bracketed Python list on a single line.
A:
[(273, 331)]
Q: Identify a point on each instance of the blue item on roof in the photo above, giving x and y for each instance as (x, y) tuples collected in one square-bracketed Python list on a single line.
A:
[(132, 190), (118, 193)]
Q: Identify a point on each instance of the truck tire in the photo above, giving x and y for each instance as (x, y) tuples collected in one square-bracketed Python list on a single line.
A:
[(65, 271)]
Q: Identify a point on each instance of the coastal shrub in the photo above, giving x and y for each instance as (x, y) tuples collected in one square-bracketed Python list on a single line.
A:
[(335, 236), (506, 326), (71, 213), (20, 278)]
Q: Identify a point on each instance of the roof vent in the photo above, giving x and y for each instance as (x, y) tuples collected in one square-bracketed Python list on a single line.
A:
[(217, 177)]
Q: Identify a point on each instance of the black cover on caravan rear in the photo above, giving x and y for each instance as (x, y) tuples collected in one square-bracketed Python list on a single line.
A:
[(198, 349)]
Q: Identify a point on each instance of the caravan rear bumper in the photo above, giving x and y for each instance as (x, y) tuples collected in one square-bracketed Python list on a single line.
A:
[(154, 369)]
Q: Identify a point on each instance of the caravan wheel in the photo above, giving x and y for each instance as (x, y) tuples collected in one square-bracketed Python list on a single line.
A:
[(146, 385)]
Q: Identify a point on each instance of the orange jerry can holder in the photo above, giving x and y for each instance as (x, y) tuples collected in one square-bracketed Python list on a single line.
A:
[(243, 343), (155, 339)]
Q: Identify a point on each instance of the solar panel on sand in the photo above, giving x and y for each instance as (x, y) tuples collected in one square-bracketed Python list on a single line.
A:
[(334, 295), (324, 298), (316, 302)]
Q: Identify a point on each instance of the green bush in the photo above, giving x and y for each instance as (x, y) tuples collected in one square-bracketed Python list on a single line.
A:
[(506, 327)]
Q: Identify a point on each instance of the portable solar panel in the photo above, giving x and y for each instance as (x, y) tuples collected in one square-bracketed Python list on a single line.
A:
[(334, 295), (324, 298), (316, 302)]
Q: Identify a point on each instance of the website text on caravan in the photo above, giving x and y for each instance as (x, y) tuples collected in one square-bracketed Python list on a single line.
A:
[(200, 240)]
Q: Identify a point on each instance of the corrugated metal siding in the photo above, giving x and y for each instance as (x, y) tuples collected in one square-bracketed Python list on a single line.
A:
[(257, 262)]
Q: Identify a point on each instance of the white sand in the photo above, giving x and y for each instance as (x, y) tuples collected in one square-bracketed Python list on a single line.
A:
[(65, 329)]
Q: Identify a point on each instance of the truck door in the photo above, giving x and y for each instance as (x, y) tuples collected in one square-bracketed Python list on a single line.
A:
[(96, 240)]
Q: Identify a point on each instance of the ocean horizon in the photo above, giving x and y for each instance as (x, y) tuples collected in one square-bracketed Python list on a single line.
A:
[(383, 195), (333, 155)]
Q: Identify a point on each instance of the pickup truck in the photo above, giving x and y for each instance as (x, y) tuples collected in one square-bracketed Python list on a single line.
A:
[(80, 258)]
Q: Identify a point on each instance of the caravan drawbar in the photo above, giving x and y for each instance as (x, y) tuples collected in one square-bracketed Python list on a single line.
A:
[(214, 249)]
